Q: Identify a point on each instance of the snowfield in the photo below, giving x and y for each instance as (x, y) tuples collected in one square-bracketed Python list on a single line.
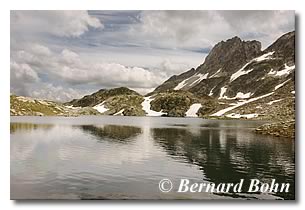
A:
[(241, 71), (181, 85), (192, 112), (196, 81), (263, 57), (222, 92), (146, 107), (239, 95), (238, 104), (287, 70), (201, 77), (101, 107), (238, 116)]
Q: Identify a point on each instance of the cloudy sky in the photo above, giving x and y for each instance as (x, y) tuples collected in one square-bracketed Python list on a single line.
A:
[(60, 55)]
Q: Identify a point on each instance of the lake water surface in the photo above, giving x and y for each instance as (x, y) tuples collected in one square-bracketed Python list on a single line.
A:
[(113, 157)]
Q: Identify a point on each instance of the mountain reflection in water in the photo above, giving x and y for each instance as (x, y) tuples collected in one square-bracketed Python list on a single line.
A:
[(126, 157)]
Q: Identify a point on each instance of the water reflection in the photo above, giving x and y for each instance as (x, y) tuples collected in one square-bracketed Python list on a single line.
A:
[(226, 156), (117, 133), (22, 127), (102, 160)]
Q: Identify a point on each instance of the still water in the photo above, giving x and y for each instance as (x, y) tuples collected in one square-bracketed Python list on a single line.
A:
[(113, 157)]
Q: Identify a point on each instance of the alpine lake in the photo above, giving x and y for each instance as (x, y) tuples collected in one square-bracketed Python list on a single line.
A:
[(119, 157)]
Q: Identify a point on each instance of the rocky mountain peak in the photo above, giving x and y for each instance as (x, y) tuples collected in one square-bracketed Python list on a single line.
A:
[(284, 47), (230, 55)]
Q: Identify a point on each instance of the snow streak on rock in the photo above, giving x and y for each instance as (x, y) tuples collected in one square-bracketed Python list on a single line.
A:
[(243, 72), (238, 104), (192, 112), (119, 112), (238, 116), (191, 81)]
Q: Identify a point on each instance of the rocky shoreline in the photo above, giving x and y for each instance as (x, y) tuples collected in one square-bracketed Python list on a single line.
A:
[(279, 129)]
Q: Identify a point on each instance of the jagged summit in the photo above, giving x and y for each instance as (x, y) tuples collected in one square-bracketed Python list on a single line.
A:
[(238, 69), (229, 55)]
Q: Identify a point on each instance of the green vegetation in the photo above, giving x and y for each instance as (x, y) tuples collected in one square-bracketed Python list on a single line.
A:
[(175, 103), (131, 104), (100, 96), (26, 106), (285, 129)]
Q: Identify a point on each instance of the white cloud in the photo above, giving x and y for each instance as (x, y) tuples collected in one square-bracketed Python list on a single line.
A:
[(64, 54), (22, 76), (188, 29), (56, 93), (72, 70), (69, 23), (23, 72), (170, 68)]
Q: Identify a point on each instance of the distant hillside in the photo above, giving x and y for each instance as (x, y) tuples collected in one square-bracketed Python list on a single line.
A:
[(26, 106), (100, 96)]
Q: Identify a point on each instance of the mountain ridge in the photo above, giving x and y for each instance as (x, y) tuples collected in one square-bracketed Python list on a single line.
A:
[(236, 80)]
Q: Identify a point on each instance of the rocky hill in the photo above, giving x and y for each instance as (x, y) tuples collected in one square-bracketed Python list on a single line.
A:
[(100, 96), (26, 106), (116, 101)]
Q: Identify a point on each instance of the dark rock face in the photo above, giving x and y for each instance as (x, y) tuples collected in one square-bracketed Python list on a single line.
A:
[(230, 55), (173, 81), (100, 96), (284, 47), (224, 58)]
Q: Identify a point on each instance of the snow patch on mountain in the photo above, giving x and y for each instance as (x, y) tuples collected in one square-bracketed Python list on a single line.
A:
[(73, 107), (241, 71), (272, 102), (201, 77), (211, 91), (238, 104), (239, 95), (181, 85), (197, 78), (287, 70), (223, 90), (281, 85), (119, 112), (266, 56), (216, 73), (101, 107), (237, 116), (192, 112), (146, 107)]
